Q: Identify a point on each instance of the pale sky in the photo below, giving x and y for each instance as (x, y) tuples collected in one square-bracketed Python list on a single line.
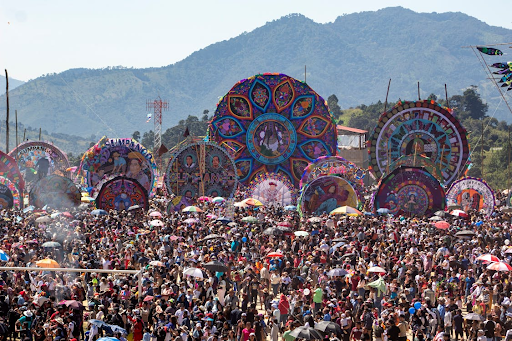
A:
[(45, 36)]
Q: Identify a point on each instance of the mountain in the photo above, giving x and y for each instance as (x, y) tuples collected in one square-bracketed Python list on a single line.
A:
[(13, 83), (352, 57)]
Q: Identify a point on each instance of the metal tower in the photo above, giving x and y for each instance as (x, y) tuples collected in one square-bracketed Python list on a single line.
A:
[(157, 106)]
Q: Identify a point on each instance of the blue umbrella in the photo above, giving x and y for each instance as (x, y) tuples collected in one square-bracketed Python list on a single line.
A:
[(28, 209), (224, 220), (291, 208), (3, 256), (383, 211), (99, 212), (108, 339), (97, 323)]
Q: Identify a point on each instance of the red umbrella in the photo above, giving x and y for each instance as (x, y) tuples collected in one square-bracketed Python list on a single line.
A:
[(204, 198), (443, 225), (499, 266), (275, 255), (488, 258), (285, 223), (148, 298), (67, 215)]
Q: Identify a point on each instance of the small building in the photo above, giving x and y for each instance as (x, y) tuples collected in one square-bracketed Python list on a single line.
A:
[(352, 146)]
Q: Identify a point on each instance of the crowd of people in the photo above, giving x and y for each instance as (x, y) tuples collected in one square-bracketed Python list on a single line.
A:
[(208, 277)]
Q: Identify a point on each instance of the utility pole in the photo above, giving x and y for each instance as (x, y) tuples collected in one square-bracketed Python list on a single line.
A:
[(16, 115), (7, 116), (158, 106), (482, 151)]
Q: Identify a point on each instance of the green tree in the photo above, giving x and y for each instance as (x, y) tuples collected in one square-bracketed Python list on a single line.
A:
[(148, 139), (136, 135), (334, 108)]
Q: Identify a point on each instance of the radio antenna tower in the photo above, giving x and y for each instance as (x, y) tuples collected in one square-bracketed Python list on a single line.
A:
[(157, 106)]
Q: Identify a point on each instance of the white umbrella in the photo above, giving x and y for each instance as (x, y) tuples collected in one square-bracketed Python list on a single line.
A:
[(499, 266), (194, 272), (301, 233), (337, 272), (376, 269), (156, 222)]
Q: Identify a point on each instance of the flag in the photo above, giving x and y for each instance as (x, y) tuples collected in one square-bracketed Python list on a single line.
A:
[(162, 150), (186, 133)]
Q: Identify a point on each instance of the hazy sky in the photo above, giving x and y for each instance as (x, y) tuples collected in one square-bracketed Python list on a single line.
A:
[(39, 37)]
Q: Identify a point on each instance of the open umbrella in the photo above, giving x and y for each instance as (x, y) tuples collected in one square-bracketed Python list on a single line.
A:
[(306, 333), (134, 207), (51, 244), (488, 258), (499, 266), (155, 214), (216, 266), (194, 272), (240, 204), (474, 317), (459, 213), (4, 256), (47, 263), (328, 327), (204, 198), (347, 210), (285, 229), (218, 200), (435, 218), (97, 323), (157, 263), (191, 221), (43, 220), (148, 298), (338, 272), (376, 269), (99, 212), (379, 284), (315, 220), (465, 234), (213, 236), (442, 225), (290, 208), (108, 338), (224, 220), (156, 222), (301, 233), (272, 231), (192, 209), (285, 223), (211, 216), (275, 255), (250, 219), (252, 202), (74, 304), (440, 214), (383, 210)]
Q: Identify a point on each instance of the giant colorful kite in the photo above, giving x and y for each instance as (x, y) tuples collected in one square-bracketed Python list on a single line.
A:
[(471, 194), (37, 159), (421, 128), (112, 157), (201, 169), (120, 193), (55, 191), (272, 189), (410, 191), (9, 194), (273, 123), (325, 194), (9, 169)]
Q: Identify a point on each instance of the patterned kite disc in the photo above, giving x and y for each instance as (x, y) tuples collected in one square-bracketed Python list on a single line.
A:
[(9, 169), (418, 161), (9, 194), (420, 128), (201, 169), (56, 191), (471, 194), (334, 165), (273, 123), (121, 192), (37, 159), (272, 190), (127, 157), (325, 194), (410, 191)]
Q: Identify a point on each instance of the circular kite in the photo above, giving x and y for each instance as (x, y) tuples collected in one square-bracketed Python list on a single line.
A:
[(127, 157), (9, 194), (37, 159), (410, 191), (471, 194), (420, 128), (272, 190), (273, 123), (121, 192), (201, 169), (325, 194), (9, 169), (334, 165), (418, 161), (55, 191)]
